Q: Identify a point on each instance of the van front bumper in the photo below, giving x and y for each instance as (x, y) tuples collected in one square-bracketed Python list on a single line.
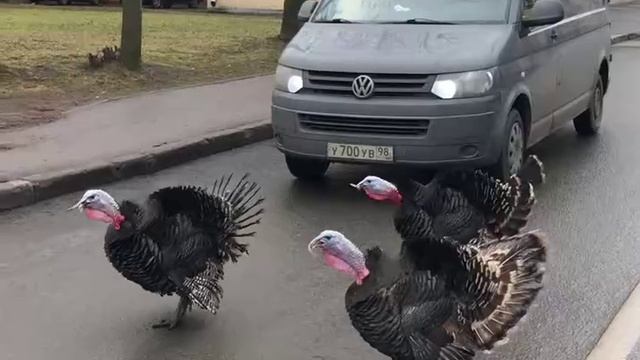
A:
[(466, 132)]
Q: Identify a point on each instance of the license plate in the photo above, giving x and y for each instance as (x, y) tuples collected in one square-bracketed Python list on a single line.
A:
[(360, 152)]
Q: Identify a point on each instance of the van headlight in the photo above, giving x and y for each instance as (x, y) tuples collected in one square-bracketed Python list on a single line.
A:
[(288, 79), (461, 85)]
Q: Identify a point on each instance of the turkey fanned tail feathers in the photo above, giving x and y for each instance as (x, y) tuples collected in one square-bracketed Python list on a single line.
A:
[(531, 174), (204, 289), (198, 230), (506, 204), (243, 211), (504, 277)]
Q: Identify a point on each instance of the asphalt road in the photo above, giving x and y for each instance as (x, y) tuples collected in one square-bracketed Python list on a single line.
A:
[(60, 299)]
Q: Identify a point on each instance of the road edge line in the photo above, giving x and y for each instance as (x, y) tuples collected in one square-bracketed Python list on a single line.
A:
[(621, 335)]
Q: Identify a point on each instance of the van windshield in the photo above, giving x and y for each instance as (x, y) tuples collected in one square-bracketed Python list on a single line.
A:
[(413, 11)]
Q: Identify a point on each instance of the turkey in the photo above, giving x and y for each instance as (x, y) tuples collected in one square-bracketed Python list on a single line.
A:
[(462, 202), (469, 304), (180, 239)]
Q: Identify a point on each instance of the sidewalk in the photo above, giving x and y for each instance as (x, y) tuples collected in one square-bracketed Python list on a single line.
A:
[(117, 139)]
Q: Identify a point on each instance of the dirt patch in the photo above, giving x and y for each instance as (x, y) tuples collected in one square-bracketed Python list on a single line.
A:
[(5, 147), (31, 111)]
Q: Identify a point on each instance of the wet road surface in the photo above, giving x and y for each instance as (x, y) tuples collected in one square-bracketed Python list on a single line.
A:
[(61, 299)]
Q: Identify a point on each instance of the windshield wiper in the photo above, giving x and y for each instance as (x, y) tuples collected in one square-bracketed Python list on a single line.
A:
[(335, 21), (422, 21)]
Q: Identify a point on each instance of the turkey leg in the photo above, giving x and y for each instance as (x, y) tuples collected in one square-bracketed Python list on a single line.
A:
[(183, 305)]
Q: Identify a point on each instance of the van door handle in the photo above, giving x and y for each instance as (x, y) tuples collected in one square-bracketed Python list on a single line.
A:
[(554, 35)]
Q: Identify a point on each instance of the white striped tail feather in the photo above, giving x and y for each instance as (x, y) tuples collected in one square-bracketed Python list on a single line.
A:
[(242, 199), (243, 211), (531, 173), (510, 277), (204, 289)]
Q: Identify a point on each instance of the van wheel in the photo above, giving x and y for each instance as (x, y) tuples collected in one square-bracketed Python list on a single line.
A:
[(513, 150), (588, 123), (306, 169)]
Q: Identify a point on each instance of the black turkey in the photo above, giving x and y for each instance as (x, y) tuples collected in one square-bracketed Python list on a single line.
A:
[(469, 303), (462, 202), (180, 239)]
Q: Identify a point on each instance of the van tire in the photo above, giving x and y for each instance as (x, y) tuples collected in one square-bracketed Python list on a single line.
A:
[(588, 123), (515, 144), (306, 169)]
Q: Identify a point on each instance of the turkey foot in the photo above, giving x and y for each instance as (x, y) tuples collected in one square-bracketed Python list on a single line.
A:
[(183, 305)]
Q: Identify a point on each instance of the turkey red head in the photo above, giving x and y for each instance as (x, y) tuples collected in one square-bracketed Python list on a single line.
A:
[(340, 254), (100, 206), (379, 189)]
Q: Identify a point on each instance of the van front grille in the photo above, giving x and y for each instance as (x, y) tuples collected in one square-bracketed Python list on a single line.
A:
[(364, 125), (408, 85)]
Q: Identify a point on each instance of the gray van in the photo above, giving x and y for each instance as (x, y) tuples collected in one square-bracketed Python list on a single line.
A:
[(470, 83)]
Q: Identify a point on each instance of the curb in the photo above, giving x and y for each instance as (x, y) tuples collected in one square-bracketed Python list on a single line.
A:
[(34, 188), (616, 39)]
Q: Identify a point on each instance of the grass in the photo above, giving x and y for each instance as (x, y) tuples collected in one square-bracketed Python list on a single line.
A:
[(43, 51)]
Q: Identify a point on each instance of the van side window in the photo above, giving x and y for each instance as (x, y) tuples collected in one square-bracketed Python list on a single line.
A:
[(528, 5), (526, 8)]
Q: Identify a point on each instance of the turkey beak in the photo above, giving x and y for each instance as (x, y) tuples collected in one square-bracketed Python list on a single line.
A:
[(357, 186), (314, 244), (78, 205)]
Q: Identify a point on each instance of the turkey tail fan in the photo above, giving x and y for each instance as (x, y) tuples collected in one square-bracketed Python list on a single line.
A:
[(244, 210), (493, 197), (531, 173), (204, 289), (522, 210), (504, 278)]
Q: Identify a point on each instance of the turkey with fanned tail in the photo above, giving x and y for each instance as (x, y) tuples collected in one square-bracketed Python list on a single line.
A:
[(462, 202), (467, 303), (178, 241)]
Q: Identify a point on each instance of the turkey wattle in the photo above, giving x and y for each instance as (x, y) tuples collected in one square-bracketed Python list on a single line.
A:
[(460, 203), (180, 239), (480, 293)]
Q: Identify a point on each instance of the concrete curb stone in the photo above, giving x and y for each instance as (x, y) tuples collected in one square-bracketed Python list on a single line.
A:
[(34, 188)]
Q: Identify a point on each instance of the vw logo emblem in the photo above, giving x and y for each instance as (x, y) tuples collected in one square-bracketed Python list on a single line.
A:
[(363, 87)]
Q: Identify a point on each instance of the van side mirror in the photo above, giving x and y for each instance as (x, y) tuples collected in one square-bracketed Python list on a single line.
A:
[(306, 10), (543, 12)]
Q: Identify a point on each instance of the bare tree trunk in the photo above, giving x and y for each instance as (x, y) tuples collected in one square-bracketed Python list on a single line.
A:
[(290, 24), (131, 37)]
